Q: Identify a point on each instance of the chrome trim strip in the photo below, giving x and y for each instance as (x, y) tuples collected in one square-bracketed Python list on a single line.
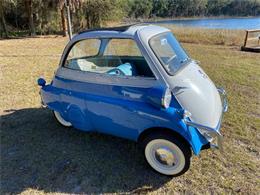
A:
[(223, 94), (214, 131)]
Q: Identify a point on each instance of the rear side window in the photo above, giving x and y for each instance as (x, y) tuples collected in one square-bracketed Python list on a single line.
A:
[(85, 48)]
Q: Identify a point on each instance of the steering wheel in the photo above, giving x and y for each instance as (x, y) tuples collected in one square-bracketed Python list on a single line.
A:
[(116, 71)]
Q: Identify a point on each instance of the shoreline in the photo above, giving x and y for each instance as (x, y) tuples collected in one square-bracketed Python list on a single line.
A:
[(217, 23), (159, 19)]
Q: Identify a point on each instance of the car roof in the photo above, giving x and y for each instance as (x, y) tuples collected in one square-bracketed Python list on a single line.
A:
[(129, 31), (117, 28)]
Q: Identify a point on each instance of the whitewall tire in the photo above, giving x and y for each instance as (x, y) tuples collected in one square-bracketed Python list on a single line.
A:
[(61, 120), (167, 155)]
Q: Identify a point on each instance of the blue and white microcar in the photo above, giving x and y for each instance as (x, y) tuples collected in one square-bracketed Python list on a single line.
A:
[(138, 83)]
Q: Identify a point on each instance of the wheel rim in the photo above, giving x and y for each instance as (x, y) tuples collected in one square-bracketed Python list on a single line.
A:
[(61, 120), (165, 156)]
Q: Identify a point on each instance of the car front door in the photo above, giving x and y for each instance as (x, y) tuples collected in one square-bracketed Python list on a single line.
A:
[(115, 83), (72, 89)]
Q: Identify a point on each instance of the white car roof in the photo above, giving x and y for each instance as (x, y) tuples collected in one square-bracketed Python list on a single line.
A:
[(144, 31)]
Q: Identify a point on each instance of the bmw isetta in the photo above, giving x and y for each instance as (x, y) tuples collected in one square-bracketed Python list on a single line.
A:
[(137, 82)]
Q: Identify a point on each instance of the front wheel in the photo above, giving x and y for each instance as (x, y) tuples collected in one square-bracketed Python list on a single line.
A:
[(167, 155), (61, 120)]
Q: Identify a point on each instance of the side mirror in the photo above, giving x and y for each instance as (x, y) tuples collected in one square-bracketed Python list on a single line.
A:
[(41, 82), (159, 97)]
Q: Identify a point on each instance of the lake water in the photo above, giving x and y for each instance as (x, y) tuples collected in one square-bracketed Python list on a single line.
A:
[(218, 23)]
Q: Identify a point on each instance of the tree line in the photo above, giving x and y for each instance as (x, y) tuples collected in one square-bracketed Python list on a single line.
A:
[(49, 16)]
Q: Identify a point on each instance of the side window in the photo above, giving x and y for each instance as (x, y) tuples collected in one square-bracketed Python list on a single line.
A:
[(79, 54), (115, 57), (122, 47)]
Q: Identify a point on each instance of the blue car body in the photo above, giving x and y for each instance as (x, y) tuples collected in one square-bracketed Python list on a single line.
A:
[(103, 103), (120, 111)]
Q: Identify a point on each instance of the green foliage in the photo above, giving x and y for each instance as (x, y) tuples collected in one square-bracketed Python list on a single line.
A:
[(161, 8), (216, 7), (243, 8), (98, 11), (49, 16), (140, 8), (173, 8)]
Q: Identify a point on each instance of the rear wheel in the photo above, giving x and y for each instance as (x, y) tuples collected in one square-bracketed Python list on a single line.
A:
[(166, 154), (61, 120)]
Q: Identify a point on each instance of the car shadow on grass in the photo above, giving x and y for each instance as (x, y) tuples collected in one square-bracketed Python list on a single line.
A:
[(37, 153)]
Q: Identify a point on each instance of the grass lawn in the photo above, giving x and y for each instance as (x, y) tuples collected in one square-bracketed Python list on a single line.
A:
[(39, 156)]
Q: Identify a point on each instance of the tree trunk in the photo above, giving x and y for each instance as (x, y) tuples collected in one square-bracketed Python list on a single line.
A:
[(2, 22), (69, 21), (64, 21), (29, 9)]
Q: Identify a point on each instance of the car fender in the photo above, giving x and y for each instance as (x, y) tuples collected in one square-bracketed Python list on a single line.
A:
[(178, 126)]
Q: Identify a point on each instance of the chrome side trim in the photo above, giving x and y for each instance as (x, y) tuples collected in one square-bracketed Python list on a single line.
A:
[(223, 95), (215, 132)]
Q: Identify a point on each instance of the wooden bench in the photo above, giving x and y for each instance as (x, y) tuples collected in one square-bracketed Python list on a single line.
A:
[(256, 39)]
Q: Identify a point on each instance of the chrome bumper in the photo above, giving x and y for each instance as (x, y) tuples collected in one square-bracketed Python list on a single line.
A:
[(214, 132)]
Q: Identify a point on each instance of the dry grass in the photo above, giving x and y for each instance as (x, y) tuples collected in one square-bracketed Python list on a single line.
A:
[(210, 36), (38, 156)]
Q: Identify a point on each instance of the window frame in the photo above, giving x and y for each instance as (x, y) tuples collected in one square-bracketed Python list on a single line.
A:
[(102, 74)]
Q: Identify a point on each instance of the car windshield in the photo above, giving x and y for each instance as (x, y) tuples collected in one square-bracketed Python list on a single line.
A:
[(169, 51)]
